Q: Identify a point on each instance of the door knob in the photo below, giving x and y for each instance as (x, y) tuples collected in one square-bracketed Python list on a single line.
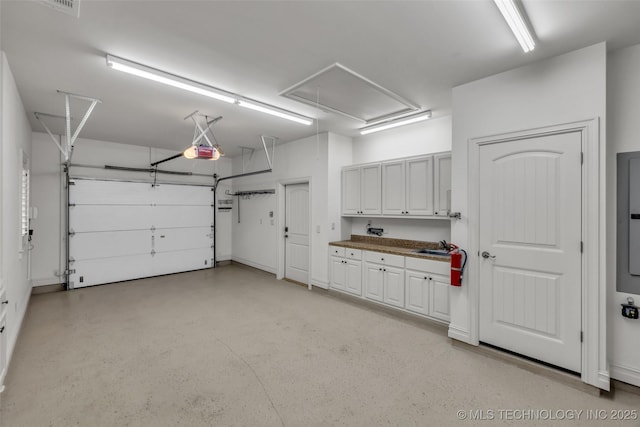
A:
[(486, 254)]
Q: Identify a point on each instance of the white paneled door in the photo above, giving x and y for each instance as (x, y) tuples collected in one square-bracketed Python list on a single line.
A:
[(530, 247), (128, 230), (297, 232)]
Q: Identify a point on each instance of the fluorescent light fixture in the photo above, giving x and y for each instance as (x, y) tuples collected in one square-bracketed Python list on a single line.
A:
[(168, 79), (201, 89), (515, 19), (424, 115), (252, 105)]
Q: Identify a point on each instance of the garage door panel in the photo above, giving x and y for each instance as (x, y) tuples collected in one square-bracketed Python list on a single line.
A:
[(107, 270), (110, 193), (177, 261), (182, 216), (109, 244), (167, 194), (125, 230), (176, 239), (109, 218)]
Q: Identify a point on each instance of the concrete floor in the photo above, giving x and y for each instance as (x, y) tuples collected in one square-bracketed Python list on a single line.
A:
[(235, 347)]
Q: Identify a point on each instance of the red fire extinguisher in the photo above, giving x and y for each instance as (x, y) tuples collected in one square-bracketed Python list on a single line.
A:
[(458, 262)]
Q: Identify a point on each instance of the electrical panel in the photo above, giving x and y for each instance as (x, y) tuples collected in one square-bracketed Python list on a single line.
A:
[(628, 223)]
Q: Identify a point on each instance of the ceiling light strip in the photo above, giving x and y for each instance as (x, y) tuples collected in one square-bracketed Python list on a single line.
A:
[(191, 86), (515, 19), (425, 115)]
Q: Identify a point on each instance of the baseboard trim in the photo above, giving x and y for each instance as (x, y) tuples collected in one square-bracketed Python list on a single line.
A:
[(625, 374), (423, 322), (254, 265), (46, 281), (45, 289), (320, 284), (572, 380), (459, 334)]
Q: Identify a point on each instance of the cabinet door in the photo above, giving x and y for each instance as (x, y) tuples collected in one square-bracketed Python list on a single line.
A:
[(393, 192), (373, 278), (393, 286), (370, 190), (439, 297), (353, 282), (419, 186), (417, 292), (351, 191), (338, 273), (442, 184)]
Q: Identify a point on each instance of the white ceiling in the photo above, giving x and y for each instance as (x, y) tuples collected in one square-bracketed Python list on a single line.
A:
[(417, 49)]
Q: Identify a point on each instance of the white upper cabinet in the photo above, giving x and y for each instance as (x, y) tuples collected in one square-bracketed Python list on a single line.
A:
[(419, 186), (407, 187), (401, 187), (351, 191), (442, 184), (393, 188), (370, 190), (361, 192)]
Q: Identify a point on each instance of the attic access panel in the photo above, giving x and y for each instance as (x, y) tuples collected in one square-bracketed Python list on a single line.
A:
[(343, 91)]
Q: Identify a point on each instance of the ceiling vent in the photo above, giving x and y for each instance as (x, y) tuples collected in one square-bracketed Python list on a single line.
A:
[(343, 91), (70, 7)]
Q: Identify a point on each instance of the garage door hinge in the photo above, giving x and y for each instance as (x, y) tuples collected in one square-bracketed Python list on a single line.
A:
[(71, 260), (70, 271), (581, 336), (153, 228), (72, 204), (153, 252), (72, 183), (72, 233)]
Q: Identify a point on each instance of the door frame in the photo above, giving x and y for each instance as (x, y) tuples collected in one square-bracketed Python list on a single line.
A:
[(595, 368), (281, 207)]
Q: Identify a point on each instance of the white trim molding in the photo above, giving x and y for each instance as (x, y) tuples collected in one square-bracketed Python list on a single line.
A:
[(626, 374), (460, 334), (595, 369)]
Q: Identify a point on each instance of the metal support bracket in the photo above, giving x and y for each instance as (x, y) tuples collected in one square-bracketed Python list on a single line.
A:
[(67, 147)]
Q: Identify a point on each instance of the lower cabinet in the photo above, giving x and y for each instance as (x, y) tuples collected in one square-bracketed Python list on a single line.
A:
[(417, 285), (428, 294), (346, 270), (439, 297)]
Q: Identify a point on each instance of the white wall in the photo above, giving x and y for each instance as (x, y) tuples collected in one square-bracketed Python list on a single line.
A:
[(257, 239), (431, 136), (623, 133), (48, 259), (559, 90), (16, 138)]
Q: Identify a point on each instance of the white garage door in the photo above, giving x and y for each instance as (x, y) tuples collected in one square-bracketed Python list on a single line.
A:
[(128, 230)]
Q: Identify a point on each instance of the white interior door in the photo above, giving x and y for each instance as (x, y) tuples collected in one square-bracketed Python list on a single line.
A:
[(530, 245), (297, 232)]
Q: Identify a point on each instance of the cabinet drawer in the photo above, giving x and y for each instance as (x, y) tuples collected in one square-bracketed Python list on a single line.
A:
[(385, 259), (336, 250), (429, 265), (353, 253)]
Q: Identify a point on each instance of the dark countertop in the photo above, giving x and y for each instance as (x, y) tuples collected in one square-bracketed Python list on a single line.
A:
[(391, 246)]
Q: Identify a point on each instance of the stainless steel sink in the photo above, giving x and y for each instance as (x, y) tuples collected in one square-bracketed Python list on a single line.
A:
[(437, 252)]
